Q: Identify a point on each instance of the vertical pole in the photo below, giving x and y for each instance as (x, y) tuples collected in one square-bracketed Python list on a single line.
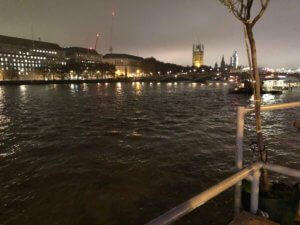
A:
[(240, 137), (237, 198), (255, 192), (239, 157)]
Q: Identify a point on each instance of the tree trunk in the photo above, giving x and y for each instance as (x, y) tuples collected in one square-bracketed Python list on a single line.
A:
[(248, 55), (257, 103)]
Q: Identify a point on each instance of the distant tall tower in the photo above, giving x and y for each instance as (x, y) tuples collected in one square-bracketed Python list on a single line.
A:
[(223, 64), (198, 55), (234, 60)]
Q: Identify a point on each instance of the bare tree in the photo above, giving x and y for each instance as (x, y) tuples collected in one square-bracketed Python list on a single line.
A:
[(242, 10)]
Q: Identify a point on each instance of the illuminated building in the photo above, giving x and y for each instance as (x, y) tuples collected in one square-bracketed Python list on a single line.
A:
[(234, 60), (126, 65), (29, 59), (82, 60), (83, 55), (198, 55)]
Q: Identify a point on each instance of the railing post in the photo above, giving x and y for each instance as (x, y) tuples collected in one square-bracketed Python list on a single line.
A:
[(240, 137), (239, 157), (255, 191), (237, 198)]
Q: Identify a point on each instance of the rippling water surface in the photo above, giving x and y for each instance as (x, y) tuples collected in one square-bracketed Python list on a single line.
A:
[(124, 153)]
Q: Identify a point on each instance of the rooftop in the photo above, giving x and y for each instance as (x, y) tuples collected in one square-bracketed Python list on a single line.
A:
[(28, 42), (81, 50), (121, 56)]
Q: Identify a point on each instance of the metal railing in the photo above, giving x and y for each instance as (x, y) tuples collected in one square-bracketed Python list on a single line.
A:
[(241, 113), (252, 172)]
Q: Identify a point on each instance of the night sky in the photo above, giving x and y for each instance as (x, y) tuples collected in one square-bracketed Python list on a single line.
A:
[(164, 29)]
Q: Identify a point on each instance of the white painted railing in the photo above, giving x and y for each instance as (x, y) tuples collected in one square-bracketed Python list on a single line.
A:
[(241, 113), (252, 172)]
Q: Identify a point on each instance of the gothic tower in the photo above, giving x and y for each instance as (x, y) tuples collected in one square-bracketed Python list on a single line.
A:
[(222, 64), (198, 55)]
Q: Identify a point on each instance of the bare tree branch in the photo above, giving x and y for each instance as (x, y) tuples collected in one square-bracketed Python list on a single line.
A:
[(263, 9)]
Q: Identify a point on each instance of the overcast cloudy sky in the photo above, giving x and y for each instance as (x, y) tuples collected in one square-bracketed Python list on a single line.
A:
[(164, 29)]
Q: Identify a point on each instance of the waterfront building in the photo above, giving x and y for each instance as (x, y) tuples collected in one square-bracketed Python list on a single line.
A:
[(198, 55), (27, 59), (83, 62), (83, 55), (234, 60), (126, 65)]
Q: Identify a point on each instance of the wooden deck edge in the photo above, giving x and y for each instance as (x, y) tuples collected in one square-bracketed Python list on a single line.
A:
[(249, 219)]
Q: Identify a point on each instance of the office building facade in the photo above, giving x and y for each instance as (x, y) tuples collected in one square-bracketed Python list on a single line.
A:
[(126, 65), (24, 59)]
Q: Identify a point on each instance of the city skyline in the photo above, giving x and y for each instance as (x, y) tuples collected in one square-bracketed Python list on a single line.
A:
[(165, 30)]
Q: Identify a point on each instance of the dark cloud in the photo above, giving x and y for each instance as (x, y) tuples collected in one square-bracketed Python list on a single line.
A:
[(165, 29)]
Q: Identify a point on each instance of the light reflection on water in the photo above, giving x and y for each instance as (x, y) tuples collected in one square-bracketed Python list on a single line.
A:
[(123, 153), (268, 98), (23, 88), (138, 88)]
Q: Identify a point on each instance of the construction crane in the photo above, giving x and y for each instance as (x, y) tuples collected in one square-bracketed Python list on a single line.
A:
[(96, 43), (111, 31)]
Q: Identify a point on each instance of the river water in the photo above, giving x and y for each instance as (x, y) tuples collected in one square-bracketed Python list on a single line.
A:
[(124, 153)]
